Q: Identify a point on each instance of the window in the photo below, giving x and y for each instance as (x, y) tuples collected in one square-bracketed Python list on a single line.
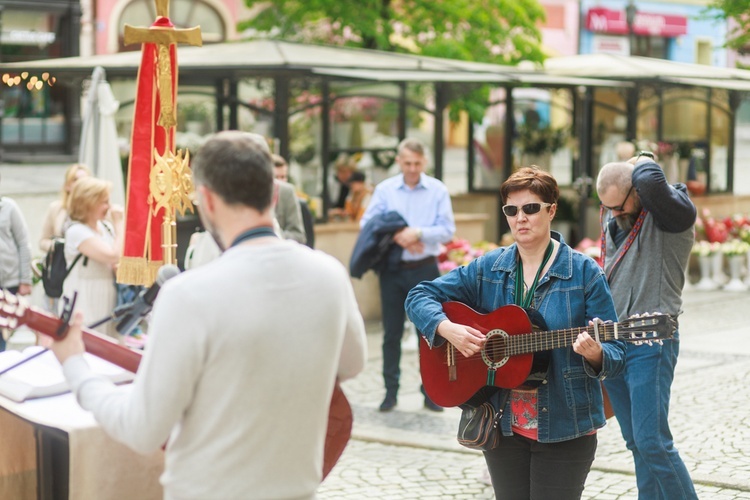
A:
[(703, 51)]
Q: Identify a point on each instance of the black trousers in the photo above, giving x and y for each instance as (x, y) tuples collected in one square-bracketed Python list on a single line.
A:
[(394, 287), (524, 469)]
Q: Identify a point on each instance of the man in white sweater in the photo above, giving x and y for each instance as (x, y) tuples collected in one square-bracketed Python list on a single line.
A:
[(243, 352)]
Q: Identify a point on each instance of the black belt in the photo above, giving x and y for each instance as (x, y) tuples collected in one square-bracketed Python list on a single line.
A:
[(413, 264)]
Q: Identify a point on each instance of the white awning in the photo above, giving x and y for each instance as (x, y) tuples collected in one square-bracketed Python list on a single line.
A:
[(510, 77), (733, 84)]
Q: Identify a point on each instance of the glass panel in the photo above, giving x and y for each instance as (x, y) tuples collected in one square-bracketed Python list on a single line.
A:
[(364, 128), (544, 120), (305, 129), (720, 120), (647, 126), (489, 144), (685, 112), (32, 109), (742, 149), (685, 128), (609, 127)]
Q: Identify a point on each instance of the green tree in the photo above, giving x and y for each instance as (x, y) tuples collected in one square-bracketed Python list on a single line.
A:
[(495, 31), (738, 36), (491, 31)]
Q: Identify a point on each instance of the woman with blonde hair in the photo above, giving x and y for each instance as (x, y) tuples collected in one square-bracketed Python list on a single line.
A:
[(99, 243), (57, 213)]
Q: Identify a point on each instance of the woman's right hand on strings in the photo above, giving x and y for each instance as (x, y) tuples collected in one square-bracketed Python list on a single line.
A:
[(466, 339)]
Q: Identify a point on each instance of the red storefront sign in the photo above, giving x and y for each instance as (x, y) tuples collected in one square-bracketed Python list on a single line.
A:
[(601, 20)]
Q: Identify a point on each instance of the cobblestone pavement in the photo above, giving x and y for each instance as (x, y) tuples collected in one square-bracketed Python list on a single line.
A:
[(412, 453)]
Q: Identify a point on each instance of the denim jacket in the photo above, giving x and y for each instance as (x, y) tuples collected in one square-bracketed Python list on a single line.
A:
[(572, 292)]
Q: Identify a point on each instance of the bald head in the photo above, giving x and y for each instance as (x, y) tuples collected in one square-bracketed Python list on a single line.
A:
[(619, 174)]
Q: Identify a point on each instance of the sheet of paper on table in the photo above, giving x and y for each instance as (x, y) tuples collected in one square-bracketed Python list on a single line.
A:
[(43, 375)]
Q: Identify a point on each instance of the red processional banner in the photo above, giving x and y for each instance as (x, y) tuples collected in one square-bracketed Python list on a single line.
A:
[(142, 252)]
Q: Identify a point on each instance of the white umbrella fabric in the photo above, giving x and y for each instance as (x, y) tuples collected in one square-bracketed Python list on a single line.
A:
[(99, 147)]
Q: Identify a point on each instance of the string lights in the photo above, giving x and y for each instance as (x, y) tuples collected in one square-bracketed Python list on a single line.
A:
[(32, 83)]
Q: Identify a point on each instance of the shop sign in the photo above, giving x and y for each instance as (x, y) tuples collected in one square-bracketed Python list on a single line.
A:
[(618, 45), (24, 37), (601, 20)]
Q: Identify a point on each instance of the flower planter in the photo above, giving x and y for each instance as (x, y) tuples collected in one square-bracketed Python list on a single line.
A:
[(717, 271), (705, 263), (342, 134), (735, 283)]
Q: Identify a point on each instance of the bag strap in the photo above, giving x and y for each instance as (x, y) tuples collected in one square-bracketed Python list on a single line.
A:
[(498, 402), (75, 261)]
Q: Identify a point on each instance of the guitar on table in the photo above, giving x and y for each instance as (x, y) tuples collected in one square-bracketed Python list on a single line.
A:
[(506, 360), (15, 312)]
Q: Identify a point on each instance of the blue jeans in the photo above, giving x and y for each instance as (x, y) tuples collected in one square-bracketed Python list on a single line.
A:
[(640, 399), (394, 287)]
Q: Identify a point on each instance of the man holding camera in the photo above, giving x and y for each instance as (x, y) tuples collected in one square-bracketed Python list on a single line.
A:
[(647, 236)]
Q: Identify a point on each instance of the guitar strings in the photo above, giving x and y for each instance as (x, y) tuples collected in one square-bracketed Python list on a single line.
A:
[(529, 343)]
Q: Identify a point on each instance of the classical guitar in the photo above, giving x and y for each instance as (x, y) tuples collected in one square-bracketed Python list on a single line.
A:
[(15, 312), (450, 379)]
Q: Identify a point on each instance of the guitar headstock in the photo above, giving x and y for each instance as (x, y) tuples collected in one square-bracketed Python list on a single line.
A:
[(647, 328), (12, 310)]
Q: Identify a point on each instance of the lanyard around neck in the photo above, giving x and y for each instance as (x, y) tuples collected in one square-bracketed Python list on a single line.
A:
[(250, 234), (525, 300)]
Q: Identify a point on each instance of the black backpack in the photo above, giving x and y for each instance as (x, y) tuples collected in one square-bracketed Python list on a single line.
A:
[(55, 269)]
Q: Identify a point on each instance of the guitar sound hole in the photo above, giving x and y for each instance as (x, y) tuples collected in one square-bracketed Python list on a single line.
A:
[(495, 348)]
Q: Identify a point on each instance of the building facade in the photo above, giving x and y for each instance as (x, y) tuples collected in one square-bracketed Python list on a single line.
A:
[(33, 110)]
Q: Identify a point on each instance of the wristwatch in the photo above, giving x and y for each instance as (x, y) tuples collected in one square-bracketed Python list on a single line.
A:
[(647, 154), (419, 234)]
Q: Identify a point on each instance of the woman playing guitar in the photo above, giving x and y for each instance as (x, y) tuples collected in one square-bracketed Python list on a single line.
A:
[(550, 420)]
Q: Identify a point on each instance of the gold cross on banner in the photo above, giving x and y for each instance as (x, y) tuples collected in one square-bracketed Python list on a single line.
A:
[(163, 38)]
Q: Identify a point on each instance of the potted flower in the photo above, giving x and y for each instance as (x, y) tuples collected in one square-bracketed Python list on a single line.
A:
[(460, 252), (736, 251), (705, 252)]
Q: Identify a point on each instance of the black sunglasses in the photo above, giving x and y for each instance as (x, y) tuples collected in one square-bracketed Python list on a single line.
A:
[(528, 209), (621, 208)]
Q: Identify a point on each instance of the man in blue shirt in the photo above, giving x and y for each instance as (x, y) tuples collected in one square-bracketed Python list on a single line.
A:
[(425, 204)]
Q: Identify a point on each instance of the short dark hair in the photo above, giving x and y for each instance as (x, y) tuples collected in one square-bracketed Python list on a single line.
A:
[(536, 180), (236, 167)]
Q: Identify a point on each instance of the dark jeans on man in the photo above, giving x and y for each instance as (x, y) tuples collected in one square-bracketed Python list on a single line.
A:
[(394, 286), (524, 469)]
